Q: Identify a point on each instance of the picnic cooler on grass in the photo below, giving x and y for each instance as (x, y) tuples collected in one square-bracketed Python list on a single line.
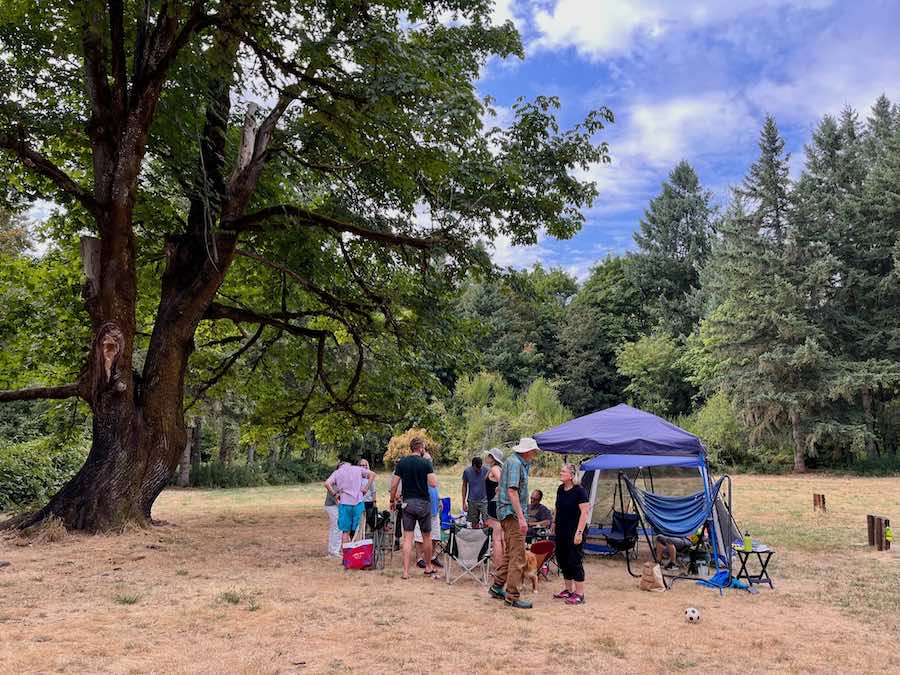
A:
[(358, 555)]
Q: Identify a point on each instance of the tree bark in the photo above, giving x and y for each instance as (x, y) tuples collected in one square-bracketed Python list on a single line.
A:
[(184, 465), (274, 447), (799, 445), (867, 404), (196, 435), (251, 454)]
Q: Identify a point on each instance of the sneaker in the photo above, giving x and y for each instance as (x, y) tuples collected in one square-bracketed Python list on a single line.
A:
[(671, 567), (518, 603), (497, 592), (575, 599), (420, 563), (563, 594)]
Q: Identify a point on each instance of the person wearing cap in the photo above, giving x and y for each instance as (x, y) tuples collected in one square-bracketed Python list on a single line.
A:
[(494, 460), (513, 489)]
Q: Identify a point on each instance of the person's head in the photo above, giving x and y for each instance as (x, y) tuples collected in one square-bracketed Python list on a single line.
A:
[(417, 446), (476, 463), (364, 463), (527, 449), (568, 473), (494, 457), (536, 497)]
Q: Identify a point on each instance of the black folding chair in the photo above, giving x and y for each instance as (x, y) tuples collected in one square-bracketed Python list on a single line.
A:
[(623, 535)]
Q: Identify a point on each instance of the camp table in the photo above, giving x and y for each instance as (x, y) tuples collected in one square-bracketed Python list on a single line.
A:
[(763, 555)]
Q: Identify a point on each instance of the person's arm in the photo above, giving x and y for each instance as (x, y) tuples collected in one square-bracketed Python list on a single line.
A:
[(371, 480), (582, 522), (329, 485), (395, 481), (465, 492), (513, 494)]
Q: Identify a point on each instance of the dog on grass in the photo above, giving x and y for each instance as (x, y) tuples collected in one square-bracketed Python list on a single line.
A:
[(531, 571)]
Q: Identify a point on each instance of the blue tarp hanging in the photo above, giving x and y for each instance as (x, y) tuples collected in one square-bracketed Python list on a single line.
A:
[(621, 462), (621, 430), (674, 516)]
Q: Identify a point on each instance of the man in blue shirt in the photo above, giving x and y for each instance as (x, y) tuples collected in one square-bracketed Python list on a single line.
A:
[(511, 492)]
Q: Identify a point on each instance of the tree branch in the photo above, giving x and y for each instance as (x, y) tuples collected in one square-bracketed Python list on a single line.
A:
[(218, 311), (250, 222), (323, 295), (41, 165), (118, 63), (34, 393), (225, 366)]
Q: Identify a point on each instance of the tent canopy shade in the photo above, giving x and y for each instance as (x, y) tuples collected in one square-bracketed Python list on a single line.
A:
[(619, 462), (620, 430)]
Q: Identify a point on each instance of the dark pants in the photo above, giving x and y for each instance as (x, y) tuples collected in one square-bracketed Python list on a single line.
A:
[(569, 556)]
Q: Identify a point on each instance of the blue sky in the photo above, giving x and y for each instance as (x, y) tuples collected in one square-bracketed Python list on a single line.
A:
[(691, 79)]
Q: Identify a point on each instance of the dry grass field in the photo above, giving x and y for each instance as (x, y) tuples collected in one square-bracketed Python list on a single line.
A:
[(237, 583)]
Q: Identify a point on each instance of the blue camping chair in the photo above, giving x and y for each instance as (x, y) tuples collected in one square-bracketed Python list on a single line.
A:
[(446, 518)]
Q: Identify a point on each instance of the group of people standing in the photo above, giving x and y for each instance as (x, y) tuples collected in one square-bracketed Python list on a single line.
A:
[(494, 494)]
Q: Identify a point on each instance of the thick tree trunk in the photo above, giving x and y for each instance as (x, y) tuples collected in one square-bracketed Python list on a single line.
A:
[(799, 445), (273, 452), (871, 448), (184, 465), (196, 435), (251, 454)]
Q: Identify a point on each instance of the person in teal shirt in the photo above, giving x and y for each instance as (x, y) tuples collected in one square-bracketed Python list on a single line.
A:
[(511, 494)]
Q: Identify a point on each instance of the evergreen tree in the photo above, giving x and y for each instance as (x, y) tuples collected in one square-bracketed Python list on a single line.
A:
[(772, 354), (605, 314), (673, 245), (766, 185)]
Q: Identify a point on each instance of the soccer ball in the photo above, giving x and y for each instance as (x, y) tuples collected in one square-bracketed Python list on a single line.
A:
[(692, 615)]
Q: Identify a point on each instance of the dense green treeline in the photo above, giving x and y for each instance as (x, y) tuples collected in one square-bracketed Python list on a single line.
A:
[(769, 325)]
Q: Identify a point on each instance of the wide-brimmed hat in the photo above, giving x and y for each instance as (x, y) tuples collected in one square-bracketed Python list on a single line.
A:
[(525, 444), (497, 454)]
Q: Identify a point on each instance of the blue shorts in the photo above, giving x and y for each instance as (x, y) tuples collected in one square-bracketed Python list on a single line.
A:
[(349, 516)]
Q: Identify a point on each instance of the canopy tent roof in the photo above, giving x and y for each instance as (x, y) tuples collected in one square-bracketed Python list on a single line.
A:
[(620, 430), (619, 462)]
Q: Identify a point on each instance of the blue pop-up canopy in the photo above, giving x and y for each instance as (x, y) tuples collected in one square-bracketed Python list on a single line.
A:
[(621, 462), (620, 430)]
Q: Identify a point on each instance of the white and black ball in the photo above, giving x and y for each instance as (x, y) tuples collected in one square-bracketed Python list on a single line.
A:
[(692, 615)]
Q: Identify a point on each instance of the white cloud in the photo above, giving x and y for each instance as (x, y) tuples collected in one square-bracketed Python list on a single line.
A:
[(601, 28), (507, 255)]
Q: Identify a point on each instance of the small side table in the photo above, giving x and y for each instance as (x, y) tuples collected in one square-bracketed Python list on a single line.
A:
[(763, 555)]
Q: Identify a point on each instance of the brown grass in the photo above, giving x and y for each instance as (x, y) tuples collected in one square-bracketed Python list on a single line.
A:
[(238, 583)]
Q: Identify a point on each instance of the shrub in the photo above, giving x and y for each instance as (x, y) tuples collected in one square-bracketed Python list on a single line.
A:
[(291, 471), (398, 446), (33, 471), (219, 475)]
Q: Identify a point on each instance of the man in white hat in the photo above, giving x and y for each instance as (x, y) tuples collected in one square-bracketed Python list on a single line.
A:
[(511, 492)]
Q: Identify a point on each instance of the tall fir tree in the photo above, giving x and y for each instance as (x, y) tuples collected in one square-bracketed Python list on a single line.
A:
[(673, 245), (772, 357)]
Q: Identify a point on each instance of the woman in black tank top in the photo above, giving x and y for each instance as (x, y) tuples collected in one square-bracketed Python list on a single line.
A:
[(494, 460)]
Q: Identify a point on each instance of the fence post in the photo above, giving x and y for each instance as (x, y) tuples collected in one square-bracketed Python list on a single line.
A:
[(870, 526), (879, 533)]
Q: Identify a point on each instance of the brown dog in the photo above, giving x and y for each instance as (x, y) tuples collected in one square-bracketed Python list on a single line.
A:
[(531, 571)]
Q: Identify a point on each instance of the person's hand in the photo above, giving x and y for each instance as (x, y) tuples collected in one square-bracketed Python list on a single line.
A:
[(523, 525), (578, 537)]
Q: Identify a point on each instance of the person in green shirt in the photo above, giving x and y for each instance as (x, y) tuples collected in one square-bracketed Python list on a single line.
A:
[(511, 492)]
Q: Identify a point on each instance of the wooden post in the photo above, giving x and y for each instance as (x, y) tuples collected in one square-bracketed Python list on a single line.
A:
[(822, 502), (870, 526), (879, 533)]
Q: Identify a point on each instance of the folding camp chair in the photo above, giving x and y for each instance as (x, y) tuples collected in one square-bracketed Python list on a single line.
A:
[(470, 549), (544, 551), (623, 535)]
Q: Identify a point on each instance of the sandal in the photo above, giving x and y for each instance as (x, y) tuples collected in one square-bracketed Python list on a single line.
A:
[(564, 594)]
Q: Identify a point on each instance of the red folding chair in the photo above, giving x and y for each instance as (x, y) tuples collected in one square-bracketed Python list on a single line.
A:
[(543, 550)]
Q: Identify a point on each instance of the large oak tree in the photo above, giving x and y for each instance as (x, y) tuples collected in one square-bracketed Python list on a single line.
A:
[(314, 169)]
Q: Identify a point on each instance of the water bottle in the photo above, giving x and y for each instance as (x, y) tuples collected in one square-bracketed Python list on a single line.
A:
[(748, 543)]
